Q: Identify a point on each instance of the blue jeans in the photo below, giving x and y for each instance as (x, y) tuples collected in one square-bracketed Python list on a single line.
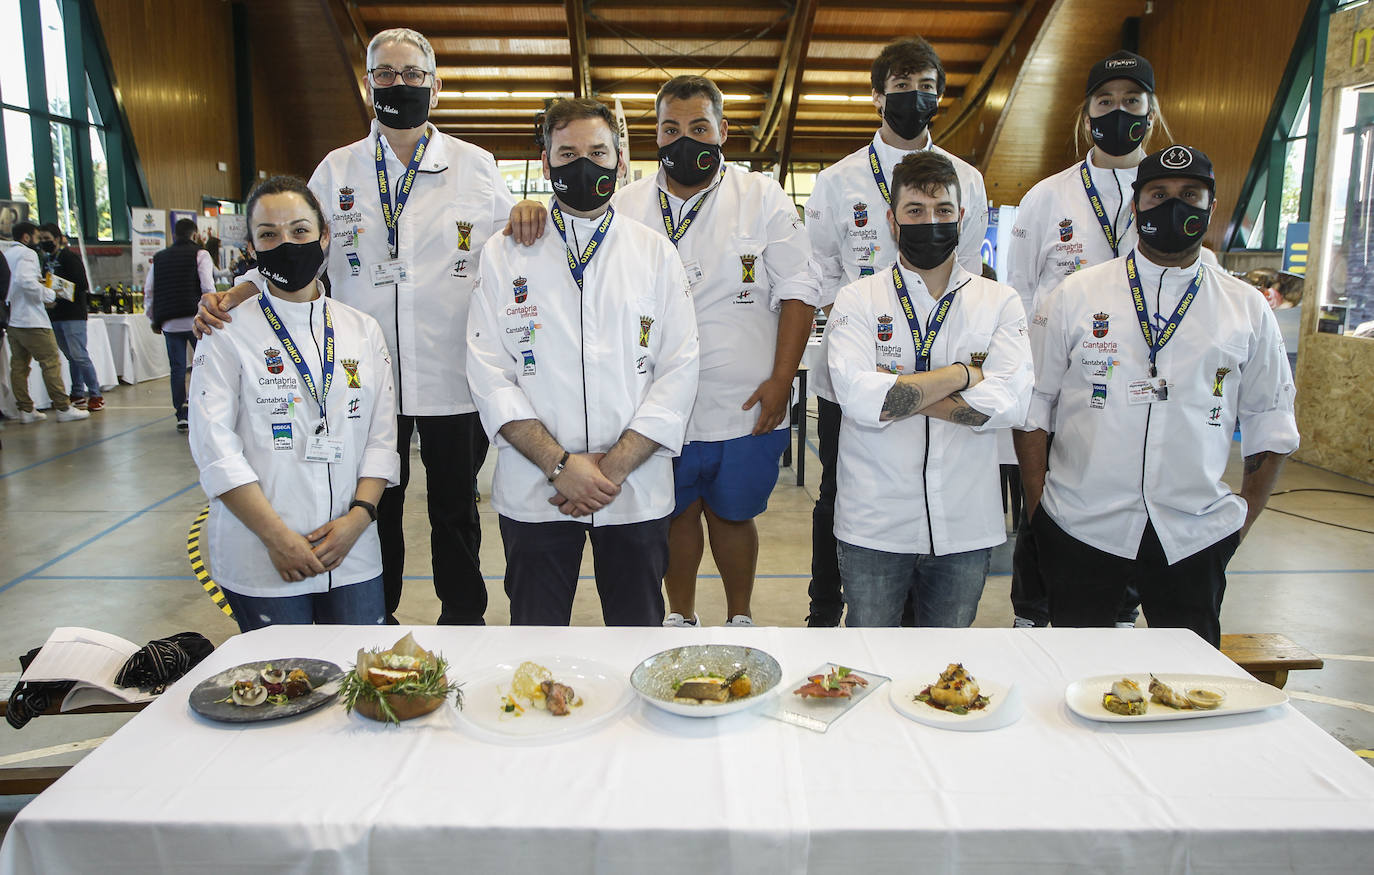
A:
[(946, 589), (177, 342), (358, 604), (71, 339)]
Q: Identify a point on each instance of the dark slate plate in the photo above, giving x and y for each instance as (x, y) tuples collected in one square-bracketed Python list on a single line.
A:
[(205, 698)]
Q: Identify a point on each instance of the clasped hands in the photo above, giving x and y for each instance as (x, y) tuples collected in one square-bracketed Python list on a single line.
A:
[(586, 485)]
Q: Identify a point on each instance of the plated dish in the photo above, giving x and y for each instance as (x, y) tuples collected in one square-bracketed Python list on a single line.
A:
[(543, 698), (1143, 698), (706, 680), (270, 689), (957, 700), (400, 683)]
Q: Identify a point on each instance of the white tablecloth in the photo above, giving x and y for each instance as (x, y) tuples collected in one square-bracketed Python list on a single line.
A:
[(652, 792), (139, 353), (97, 347)]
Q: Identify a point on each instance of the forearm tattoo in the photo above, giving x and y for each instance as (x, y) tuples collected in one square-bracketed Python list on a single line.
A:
[(963, 414), (1255, 462), (902, 400)]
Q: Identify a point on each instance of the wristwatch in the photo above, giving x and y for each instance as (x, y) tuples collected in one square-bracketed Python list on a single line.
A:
[(558, 469), (367, 506)]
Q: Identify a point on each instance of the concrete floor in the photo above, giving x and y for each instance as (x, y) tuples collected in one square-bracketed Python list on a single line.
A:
[(93, 520)]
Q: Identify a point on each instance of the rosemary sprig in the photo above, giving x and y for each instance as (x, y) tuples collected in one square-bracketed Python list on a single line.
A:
[(430, 684)]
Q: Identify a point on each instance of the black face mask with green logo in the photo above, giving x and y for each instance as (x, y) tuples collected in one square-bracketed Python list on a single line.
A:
[(1173, 226), (583, 184), (688, 161), (1119, 132)]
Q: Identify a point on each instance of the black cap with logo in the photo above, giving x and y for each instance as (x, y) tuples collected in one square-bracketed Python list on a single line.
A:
[(1122, 65), (1175, 162)]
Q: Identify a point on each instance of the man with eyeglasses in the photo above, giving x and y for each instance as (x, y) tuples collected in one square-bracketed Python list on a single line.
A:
[(409, 209)]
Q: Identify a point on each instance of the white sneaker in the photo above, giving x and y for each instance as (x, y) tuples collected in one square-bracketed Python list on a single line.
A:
[(28, 416), (676, 619), (1125, 625), (72, 413), (740, 620), (1022, 623)]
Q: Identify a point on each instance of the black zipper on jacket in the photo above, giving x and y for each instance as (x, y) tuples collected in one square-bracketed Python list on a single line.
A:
[(925, 489), (582, 350), (328, 474), (1149, 408)]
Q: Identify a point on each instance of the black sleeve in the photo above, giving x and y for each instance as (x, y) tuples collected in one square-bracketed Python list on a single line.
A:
[(74, 271)]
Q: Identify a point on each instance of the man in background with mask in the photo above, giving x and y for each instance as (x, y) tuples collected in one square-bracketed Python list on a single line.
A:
[(850, 240), (30, 332), (183, 274), (927, 360), (582, 356), (748, 261), (409, 209), (1131, 491), (69, 317)]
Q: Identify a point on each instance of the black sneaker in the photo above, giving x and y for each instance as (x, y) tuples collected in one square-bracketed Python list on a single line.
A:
[(183, 426)]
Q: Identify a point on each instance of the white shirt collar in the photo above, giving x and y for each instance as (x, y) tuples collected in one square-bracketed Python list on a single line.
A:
[(434, 159), (1175, 280), (957, 277)]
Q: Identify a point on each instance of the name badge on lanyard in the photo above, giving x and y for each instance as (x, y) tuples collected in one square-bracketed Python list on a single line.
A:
[(1156, 388), (391, 272), (320, 447)]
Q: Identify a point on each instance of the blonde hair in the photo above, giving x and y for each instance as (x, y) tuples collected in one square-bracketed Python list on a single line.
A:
[(1159, 128)]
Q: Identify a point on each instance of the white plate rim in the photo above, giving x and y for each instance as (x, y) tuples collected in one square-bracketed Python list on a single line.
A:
[(493, 674), (1159, 713), (1002, 710), (704, 710)]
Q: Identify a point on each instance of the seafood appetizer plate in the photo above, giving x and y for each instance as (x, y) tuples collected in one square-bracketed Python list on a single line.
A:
[(1238, 696), (1003, 706), (824, 695), (543, 699), (697, 668), (214, 697)]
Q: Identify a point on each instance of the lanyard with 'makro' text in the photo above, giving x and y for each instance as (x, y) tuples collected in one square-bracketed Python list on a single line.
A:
[(925, 342), (307, 379), (1098, 210), (677, 232), (1156, 341), (392, 215), (878, 176), (578, 264)]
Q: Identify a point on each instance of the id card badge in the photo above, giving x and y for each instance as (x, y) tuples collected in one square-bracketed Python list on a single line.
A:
[(694, 272), (323, 448), (1151, 391), (389, 273)]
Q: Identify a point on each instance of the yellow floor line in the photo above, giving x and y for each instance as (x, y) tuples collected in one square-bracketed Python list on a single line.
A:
[(1367, 754), (40, 753), (1327, 700), (1346, 656)]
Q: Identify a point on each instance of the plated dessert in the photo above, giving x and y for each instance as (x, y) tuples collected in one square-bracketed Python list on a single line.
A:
[(399, 683)]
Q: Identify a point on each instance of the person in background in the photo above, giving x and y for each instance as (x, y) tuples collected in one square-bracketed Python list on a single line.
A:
[(30, 333), (748, 260), (1283, 291), (295, 433), (69, 317), (850, 240), (1079, 217), (176, 279)]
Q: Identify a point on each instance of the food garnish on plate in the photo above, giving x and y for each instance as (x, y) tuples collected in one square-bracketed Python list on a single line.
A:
[(1125, 698), (838, 683), (956, 691), (271, 686), (1206, 698), (1163, 694), (399, 683), (713, 688), (533, 686)]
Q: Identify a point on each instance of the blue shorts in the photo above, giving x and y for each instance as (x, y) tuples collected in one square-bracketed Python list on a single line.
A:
[(733, 478)]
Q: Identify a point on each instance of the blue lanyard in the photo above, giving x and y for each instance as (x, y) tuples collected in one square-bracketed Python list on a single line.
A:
[(878, 176), (676, 233), (1096, 200), (578, 265), (293, 351), (392, 216), (1156, 341), (925, 343)]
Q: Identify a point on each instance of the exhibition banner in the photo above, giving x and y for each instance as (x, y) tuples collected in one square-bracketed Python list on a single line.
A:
[(233, 239), (148, 230)]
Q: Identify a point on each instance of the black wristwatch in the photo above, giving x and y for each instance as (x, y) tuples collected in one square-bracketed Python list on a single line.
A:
[(367, 506)]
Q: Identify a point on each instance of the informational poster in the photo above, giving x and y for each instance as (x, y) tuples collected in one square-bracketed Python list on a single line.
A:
[(11, 214), (177, 215), (233, 239), (1295, 246), (148, 230), (997, 239)]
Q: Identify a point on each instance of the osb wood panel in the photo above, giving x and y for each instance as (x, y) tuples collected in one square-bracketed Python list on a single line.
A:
[(1335, 396)]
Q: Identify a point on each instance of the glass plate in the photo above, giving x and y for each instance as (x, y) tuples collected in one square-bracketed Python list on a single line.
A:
[(818, 714)]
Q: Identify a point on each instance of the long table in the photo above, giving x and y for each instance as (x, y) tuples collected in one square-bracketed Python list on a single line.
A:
[(97, 347), (139, 353), (653, 792)]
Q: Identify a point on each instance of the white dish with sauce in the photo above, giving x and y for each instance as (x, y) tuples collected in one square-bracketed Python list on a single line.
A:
[(1003, 708), (1243, 695), (603, 689)]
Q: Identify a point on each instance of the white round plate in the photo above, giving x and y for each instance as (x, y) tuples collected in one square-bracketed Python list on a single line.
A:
[(1003, 709), (1243, 695), (604, 691), (655, 677)]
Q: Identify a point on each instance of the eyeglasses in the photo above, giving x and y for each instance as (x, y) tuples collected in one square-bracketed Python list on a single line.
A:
[(384, 77)]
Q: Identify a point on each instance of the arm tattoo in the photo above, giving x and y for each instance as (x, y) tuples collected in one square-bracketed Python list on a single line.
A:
[(963, 414), (1253, 463), (902, 400)]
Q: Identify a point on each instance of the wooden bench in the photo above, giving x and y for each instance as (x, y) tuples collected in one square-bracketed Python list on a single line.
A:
[(30, 780), (1268, 656)]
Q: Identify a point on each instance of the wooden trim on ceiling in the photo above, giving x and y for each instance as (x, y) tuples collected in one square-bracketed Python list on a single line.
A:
[(577, 44)]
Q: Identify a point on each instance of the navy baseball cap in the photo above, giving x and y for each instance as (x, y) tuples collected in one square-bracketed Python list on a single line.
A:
[(1122, 65), (1175, 162)]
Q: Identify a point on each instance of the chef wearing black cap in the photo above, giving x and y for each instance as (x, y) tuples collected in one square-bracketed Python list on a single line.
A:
[(1142, 365)]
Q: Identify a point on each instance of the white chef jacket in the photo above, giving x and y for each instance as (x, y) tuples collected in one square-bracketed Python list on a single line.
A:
[(458, 201), (26, 295), (1114, 464), (587, 364), (745, 253), (251, 418), (905, 484), (1057, 232), (846, 219)]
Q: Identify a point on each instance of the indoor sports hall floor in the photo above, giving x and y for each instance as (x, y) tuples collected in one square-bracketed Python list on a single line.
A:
[(94, 515)]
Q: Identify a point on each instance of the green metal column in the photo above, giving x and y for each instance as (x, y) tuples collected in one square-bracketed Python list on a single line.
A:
[(81, 129), (32, 24), (1309, 164)]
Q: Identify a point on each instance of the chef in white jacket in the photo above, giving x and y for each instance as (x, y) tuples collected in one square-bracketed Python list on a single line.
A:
[(927, 361), (410, 209), (1145, 364), (749, 262), (293, 426), (582, 357), (850, 239)]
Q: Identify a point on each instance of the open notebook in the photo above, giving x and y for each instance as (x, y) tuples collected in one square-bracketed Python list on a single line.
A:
[(91, 659)]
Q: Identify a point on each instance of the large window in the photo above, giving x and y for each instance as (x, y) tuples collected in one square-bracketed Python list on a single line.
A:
[(61, 148)]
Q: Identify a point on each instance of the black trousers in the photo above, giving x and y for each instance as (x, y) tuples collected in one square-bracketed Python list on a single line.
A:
[(827, 600), (452, 449), (1086, 586), (543, 559)]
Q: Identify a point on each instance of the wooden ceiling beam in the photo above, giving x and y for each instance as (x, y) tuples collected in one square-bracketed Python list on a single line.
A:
[(791, 87), (738, 62), (576, 13)]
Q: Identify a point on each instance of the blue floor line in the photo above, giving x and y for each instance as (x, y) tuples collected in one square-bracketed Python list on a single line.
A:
[(30, 467), (91, 540)]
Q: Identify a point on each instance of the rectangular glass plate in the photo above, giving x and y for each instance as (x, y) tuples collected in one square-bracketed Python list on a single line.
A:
[(818, 714)]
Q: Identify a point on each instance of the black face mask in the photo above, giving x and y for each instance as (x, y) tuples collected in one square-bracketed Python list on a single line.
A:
[(909, 112), (48, 246), (1119, 132), (927, 245), (689, 161), (1173, 226), (583, 184), (291, 266), (401, 106)]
